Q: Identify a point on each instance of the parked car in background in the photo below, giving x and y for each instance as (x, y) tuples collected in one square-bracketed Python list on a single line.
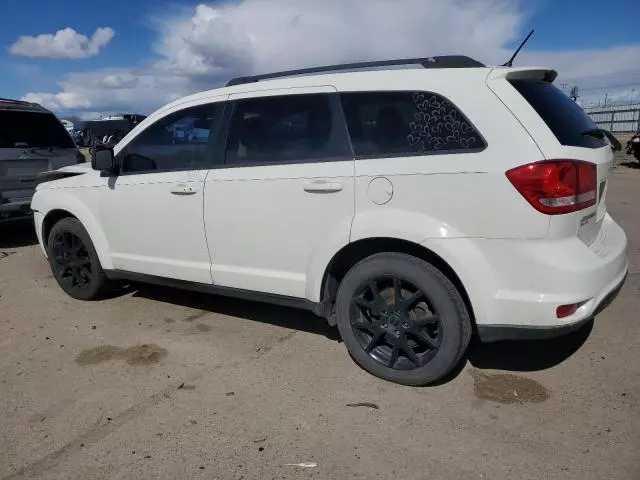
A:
[(409, 206), (633, 146), (109, 130), (32, 141)]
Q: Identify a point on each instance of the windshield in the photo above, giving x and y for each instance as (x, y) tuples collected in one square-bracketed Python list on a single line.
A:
[(563, 116), (32, 129)]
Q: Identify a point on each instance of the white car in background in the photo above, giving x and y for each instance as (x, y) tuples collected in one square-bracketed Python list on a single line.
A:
[(411, 207)]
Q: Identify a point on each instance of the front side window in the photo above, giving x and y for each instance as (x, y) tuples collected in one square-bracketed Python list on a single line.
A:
[(286, 129), (396, 123), (175, 142)]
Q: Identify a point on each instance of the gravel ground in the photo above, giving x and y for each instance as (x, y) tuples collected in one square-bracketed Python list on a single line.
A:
[(158, 383)]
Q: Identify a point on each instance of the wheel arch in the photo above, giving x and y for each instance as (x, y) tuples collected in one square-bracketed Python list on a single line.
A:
[(354, 252), (50, 219), (66, 206)]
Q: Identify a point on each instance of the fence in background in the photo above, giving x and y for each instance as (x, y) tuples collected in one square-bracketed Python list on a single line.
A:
[(616, 118)]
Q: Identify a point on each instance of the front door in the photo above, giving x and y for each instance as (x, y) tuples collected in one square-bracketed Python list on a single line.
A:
[(153, 211), (285, 192)]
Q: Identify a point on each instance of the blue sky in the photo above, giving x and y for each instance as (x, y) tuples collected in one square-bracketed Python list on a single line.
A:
[(151, 52)]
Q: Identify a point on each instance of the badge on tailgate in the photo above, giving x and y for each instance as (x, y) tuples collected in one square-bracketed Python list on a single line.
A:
[(587, 218)]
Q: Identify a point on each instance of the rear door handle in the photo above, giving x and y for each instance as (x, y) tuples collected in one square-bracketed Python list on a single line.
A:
[(323, 186), (183, 189)]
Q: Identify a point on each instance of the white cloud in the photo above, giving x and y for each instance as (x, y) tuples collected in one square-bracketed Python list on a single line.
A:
[(66, 43), (254, 36), (58, 101), (613, 71), (199, 49), (119, 80), (110, 90)]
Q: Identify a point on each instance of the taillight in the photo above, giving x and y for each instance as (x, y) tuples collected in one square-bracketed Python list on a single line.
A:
[(557, 186)]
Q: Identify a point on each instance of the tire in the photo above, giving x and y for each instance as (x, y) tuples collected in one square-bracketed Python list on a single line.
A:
[(74, 261), (430, 319), (636, 153)]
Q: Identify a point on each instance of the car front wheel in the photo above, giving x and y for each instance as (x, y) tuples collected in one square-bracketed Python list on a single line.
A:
[(402, 319), (74, 261)]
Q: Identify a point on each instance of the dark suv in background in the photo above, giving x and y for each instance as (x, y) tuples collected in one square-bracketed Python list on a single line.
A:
[(32, 141)]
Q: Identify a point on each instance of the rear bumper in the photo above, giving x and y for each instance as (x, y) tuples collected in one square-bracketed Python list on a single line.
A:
[(516, 286), (496, 333)]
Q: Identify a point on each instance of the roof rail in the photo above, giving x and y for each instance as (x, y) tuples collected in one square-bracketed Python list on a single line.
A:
[(447, 61), (12, 100)]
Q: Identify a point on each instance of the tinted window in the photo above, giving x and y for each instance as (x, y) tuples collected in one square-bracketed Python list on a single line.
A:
[(562, 115), (176, 142), (295, 128), (32, 129), (395, 123)]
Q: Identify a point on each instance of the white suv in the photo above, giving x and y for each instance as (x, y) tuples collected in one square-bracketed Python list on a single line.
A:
[(411, 206)]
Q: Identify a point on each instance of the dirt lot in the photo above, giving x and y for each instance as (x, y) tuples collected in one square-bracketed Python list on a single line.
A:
[(159, 383)]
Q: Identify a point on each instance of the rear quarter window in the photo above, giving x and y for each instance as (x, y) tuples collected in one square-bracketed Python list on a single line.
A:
[(563, 116), (407, 123)]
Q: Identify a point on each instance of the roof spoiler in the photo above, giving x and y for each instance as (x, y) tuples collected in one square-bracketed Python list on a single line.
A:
[(523, 73)]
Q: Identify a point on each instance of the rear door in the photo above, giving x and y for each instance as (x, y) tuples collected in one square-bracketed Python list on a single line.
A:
[(30, 142), (284, 194), (559, 127)]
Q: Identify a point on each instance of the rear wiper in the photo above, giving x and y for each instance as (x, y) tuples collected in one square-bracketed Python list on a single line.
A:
[(600, 132)]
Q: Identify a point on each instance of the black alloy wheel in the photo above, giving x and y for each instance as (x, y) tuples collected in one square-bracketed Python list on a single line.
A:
[(71, 260), (74, 261), (395, 323), (402, 319)]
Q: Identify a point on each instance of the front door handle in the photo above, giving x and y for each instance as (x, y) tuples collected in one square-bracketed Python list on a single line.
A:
[(183, 189), (323, 186)]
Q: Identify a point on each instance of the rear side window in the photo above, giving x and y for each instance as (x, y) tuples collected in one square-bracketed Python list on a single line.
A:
[(286, 129), (418, 123), (31, 130), (563, 116)]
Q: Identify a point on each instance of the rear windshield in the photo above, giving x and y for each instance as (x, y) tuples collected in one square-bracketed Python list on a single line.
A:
[(32, 129), (563, 116)]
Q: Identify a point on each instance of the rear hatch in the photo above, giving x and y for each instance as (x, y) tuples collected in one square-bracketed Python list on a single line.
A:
[(562, 131), (31, 142)]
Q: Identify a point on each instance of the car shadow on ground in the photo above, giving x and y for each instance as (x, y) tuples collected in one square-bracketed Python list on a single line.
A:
[(259, 312), (527, 355), (635, 164), (17, 233), (517, 356)]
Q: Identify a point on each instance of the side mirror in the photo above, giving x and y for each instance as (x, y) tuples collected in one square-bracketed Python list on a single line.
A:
[(102, 159)]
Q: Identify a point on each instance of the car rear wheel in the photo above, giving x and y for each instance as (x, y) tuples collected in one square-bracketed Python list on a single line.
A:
[(401, 319), (74, 261)]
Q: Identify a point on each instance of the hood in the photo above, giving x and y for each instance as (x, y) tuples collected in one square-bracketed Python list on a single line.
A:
[(72, 176), (78, 168)]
